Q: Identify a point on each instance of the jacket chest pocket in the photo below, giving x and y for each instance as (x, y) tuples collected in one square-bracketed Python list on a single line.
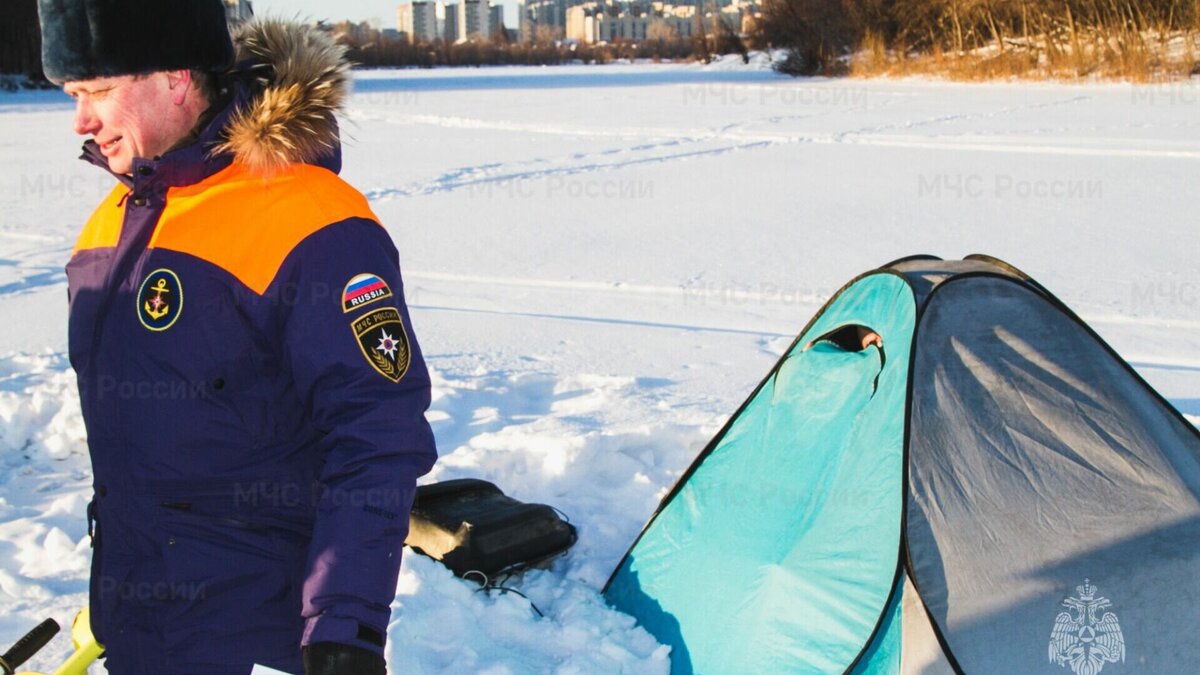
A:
[(191, 381), (241, 372)]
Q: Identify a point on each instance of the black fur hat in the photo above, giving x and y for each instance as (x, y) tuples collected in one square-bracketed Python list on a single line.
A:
[(84, 39)]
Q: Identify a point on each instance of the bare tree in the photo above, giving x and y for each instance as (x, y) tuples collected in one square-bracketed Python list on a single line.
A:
[(816, 33)]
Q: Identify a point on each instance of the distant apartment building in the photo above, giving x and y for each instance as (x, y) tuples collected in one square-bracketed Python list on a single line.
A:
[(462, 21), (450, 22), (496, 18), (581, 21), (404, 21), (543, 19), (584, 21), (238, 11), (738, 15), (441, 19), (428, 20), (354, 32), (624, 27), (593, 22), (419, 21), (681, 19), (474, 20)]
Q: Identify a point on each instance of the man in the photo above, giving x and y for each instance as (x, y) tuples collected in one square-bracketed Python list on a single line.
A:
[(253, 394)]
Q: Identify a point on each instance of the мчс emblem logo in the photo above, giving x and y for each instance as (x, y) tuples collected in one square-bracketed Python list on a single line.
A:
[(364, 289), (160, 300), (1084, 639), (383, 341)]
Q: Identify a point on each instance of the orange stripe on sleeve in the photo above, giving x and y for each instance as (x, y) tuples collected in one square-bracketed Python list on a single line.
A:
[(248, 224)]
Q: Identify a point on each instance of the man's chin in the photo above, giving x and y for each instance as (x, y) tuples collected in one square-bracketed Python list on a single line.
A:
[(120, 165)]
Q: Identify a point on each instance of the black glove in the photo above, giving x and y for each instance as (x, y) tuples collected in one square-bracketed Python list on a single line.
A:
[(334, 658)]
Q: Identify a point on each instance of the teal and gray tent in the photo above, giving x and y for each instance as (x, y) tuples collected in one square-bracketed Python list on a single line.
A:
[(991, 491)]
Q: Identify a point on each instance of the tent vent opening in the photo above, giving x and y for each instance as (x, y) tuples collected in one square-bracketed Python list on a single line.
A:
[(851, 338), (855, 337)]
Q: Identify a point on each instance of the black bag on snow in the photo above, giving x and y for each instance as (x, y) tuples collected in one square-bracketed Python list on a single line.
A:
[(470, 525)]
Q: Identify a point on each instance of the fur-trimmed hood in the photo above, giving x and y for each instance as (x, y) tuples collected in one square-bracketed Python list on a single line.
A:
[(296, 79)]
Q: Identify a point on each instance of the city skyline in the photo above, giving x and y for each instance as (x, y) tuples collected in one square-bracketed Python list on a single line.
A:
[(383, 11)]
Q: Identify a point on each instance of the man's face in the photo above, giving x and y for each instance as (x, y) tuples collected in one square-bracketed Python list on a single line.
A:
[(128, 116)]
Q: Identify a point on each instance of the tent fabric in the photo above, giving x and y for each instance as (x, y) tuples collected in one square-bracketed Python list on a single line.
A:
[(883, 655), (921, 654), (906, 642), (744, 570), (953, 502), (925, 274), (1038, 461)]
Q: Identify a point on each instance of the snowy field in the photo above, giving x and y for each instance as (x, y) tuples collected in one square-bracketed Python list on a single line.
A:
[(602, 262)]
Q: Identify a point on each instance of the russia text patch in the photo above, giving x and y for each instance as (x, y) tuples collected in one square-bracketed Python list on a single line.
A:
[(364, 289), (160, 300), (383, 341)]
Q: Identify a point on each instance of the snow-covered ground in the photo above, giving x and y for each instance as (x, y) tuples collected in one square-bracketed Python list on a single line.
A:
[(602, 262)]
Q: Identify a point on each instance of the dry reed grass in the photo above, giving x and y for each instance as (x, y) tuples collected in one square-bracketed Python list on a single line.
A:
[(1096, 56), (1134, 40)]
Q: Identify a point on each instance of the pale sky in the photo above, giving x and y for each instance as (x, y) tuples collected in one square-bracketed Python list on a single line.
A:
[(355, 10)]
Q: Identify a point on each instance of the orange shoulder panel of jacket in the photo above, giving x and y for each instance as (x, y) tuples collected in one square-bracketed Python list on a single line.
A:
[(248, 224), (103, 229)]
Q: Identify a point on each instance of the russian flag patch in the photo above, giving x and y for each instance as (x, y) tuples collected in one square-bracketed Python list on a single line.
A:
[(362, 290)]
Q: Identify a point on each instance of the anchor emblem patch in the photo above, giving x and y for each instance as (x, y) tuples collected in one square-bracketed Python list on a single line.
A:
[(160, 300)]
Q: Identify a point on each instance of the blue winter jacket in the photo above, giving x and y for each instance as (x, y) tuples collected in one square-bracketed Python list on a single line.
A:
[(253, 392)]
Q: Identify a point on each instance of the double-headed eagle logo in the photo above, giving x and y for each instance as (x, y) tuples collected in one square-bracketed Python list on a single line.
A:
[(1082, 640)]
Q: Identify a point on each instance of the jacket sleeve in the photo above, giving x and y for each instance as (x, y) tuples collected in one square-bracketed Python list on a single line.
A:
[(349, 345)]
